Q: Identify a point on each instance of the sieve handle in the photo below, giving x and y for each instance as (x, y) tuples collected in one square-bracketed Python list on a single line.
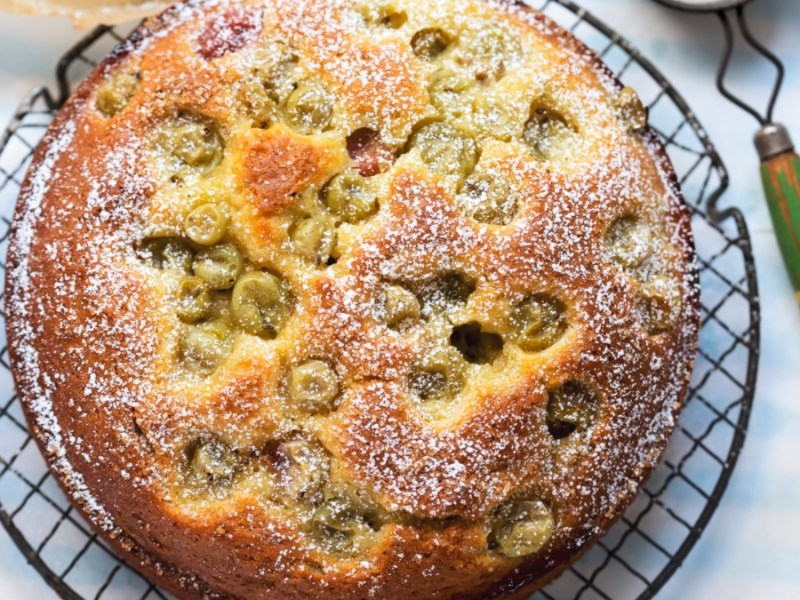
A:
[(780, 173)]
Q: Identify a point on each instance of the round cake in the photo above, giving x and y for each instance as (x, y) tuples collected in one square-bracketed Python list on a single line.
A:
[(371, 299)]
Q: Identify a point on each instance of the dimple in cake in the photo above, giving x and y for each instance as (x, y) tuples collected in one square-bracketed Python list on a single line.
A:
[(351, 299)]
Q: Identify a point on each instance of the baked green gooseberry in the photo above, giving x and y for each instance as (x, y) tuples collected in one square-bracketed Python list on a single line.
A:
[(203, 347), (488, 198), (522, 528), (658, 304), (385, 13), (309, 109), (572, 406), (489, 52), (212, 461), (544, 132), (193, 299), (313, 386), (631, 109), (219, 266), (314, 238), (116, 92), (301, 468), (628, 242), (337, 525), (450, 93), (538, 322), (278, 73), (195, 143), (444, 149), (438, 375), (260, 304), (169, 254), (399, 305), (350, 196), (430, 43), (206, 224), (445, 293), (257, 103)]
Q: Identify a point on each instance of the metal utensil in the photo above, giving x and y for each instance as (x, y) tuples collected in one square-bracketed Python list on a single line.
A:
[(780, 165)]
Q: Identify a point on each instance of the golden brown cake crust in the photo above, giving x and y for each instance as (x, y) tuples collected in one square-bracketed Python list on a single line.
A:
[(97, 348)]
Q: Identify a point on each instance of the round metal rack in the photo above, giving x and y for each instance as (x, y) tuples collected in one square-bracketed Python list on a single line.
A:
[(642, 551)]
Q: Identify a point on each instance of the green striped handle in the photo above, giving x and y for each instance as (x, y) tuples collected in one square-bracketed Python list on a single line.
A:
[(781, 176)]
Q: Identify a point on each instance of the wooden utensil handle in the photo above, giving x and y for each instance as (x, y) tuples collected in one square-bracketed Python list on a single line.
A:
[(781, 177)]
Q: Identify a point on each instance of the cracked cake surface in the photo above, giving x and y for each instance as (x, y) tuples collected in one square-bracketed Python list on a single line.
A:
[(351, 299)]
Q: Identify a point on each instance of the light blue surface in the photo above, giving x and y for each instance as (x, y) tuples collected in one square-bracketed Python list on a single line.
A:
[(752, 546)]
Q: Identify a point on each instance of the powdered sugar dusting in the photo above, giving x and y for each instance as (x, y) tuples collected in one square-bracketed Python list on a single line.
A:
[(428, 477), (41, 386)]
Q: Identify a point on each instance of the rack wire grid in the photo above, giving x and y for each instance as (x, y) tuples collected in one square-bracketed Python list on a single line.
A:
[(649, 543)]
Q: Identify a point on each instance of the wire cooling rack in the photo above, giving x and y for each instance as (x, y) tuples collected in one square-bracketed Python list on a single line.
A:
[(641, 552)]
